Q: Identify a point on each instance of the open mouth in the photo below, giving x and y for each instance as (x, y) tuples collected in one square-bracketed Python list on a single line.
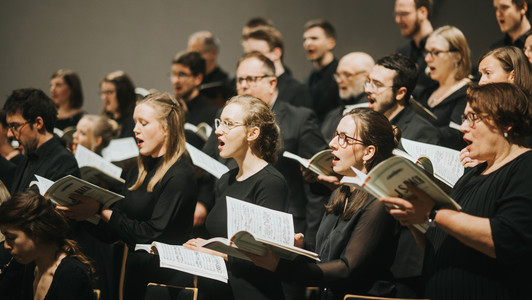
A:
[(139, 142), (220, 144), (335, 159)]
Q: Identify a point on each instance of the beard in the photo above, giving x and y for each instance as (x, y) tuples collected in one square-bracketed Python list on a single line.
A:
[(29, 146), (415, 30)]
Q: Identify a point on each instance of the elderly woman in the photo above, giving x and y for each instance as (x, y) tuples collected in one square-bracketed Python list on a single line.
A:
[(482, 251), (448, 63)]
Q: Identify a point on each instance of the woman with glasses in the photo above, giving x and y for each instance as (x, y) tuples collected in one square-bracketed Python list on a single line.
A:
[(448, 63), (482, 251), (357, 239), (246, 132)]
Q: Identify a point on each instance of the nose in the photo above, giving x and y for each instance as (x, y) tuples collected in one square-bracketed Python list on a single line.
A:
[(136, 129), (483, 80), (333, 144), (10, 133), (7, 246)]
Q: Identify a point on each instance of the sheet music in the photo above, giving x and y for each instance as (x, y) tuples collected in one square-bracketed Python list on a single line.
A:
[(121, 149), (261, 222), (85, 157), (206, 162)]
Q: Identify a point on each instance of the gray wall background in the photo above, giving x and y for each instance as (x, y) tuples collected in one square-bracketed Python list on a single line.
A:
[(95, 37)]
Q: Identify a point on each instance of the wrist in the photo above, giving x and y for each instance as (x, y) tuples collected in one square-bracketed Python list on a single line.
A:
[(431, 218), (100, 209)]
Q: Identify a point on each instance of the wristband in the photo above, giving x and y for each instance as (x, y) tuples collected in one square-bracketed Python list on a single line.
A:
[(431, 219)]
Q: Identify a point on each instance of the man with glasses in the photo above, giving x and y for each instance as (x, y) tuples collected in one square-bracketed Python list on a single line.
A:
[(31, 116), (350, 76), (413, 19)]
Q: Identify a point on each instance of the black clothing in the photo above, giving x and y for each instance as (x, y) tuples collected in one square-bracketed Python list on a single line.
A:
[(453, 270), (449, 110), (507, 41), (267, 188), (355, 254), (415, 53), (51, 160), (200, 111), (415, 127), (7, 170), (127, 125), (324, 90), (69, 122), (293, 91), (216, 87), (329, 124)]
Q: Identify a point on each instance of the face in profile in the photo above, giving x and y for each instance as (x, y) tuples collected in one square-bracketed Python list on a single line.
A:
[(316, 43), (109, 99), (25, 133), (83, 135), (508, 15), (251, 80), (407, 18), (149, 131), (59, 91), (184, 82), (379, 88), (348, 148), (350, 80), (479, 135), (440, 60), (231, 132), (528, 48), (19, 245), (491, 71)]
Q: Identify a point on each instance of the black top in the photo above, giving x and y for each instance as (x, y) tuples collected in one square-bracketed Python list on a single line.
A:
[(449, 110), (293, 91), (199, 110), (71, 281), (216, 87), (69, 122), (415, 127), (330, 123), (455, 271), (7, 170), (507, 41), (127, 125), (164, 215), (51, 160), (354, 253), (415, 53), (324, 90)]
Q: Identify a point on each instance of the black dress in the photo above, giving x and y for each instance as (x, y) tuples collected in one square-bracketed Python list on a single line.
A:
[(69, 122), (356, 254), (266, 188), (453, 270)]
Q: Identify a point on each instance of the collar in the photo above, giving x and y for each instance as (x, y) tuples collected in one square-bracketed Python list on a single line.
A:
[(46, 149)]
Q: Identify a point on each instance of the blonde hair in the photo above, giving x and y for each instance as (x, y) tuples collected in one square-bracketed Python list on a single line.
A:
[(457, 43), (103, 127), (171, 115)]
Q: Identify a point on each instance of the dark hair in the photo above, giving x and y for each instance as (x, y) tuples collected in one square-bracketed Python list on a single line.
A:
[(406, 72), (193, 60), (323, 24), (427, 4), (3, 119), (513, 59), (270, 35), (38, 218), (74, 83), (125, 92), (520, 4), (32, 103), (373, 128), (259, 21), (507, 105), (267, 65), (259, 115)]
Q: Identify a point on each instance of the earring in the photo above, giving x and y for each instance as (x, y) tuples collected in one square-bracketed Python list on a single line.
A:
[(505, 134), (364, 163)]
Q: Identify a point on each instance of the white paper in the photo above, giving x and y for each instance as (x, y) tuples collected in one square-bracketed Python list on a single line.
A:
[(206, 162), (121, 149), (85, 157)]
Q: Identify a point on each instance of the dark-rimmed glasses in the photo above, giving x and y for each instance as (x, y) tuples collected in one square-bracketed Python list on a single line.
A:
[(344, 139), (251, 79), (434, 53), (15, 127), (472, 118)]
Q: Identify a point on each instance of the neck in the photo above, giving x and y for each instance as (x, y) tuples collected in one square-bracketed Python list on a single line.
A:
[(248, 165), (519, 31), (392, 112), (43, 138), (449, 81), (193, 94), (64, 111), (424, 30), (209, 67), (503, 155), (279, 68), (323, 61), (48, 258)]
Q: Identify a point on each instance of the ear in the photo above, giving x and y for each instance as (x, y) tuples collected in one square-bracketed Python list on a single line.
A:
[(198, 79), (400, 94), (273, 84), (97, 142), (369, 152), (39, 124), (253, 133), (511, 77), (423, 12), (277, 52), (331, 42), (524, 9)]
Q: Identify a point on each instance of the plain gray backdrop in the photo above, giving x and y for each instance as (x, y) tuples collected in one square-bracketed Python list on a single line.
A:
[(95, 37)]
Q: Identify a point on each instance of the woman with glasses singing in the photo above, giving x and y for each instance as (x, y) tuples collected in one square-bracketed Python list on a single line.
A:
[(448, 63), (357, 238), (482, 251), (246, 132)]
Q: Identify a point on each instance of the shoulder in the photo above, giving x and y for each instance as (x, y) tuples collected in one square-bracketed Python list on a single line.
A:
[(72, 268), (181, 169)]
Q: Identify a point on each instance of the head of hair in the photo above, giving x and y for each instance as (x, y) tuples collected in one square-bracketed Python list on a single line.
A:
[(103, 127), (507, 105), (406, 72), (520, 4), (171, 115), (374, 129), (427, 4), (270, 35), (513, 59), (74, 83), (192, 60), (3, 119), (259, 115), (267, 65), (125, 91), (38, 218), (210, 42), (327, 27), (458, 46), (32, 103), (258, 21)]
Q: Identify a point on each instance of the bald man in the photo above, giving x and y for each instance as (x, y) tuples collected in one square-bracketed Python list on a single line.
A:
[(350, 76)]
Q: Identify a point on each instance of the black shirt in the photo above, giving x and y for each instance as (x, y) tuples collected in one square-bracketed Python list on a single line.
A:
[(69, 122), (324, 90), (200, 110), (293, 91), (329, 124), (415, 127), (216, 87), (507, 41)]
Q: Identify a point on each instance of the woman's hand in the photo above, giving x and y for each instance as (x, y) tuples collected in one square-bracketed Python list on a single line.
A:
[(85, 208), (299, 240), (195, 244), (410, 212), (332, 182), (268, 261), (466, 160)]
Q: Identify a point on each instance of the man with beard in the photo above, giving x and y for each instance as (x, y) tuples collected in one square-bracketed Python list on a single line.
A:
[(388, 87), (350, 76), (413, 19), (319, 39), (512, 16)]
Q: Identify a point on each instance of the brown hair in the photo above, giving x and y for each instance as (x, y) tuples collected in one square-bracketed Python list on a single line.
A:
[(171, 114), (259, 115), (74, 83), (267, 65), (125, 92), (513, 59), (373, 128), (270, 35), (507, 105)]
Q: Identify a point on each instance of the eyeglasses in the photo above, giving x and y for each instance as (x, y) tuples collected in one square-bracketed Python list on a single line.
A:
[(345, 76), (472, 118), (375, 85), (403, 14), (434, 53), (180, 75), (15, 127), (226, 125), (107, 93), (343, 139), (251, 79)]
